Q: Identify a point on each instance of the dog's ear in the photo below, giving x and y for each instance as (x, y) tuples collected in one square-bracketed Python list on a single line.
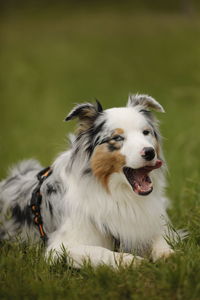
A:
[(86, 113), (145, 101)]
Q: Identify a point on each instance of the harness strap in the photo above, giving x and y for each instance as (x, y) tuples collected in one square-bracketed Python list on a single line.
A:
[(36, 201)]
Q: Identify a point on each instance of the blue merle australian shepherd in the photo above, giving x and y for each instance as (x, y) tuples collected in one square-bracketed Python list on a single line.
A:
[(104, 198)]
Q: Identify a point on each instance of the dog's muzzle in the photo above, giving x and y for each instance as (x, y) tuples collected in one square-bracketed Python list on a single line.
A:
[(139, 178)]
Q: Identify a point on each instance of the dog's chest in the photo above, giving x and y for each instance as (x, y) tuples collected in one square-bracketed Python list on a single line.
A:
[(132, 225)]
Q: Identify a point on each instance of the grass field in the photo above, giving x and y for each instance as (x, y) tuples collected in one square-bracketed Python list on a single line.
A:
[(53, 58)]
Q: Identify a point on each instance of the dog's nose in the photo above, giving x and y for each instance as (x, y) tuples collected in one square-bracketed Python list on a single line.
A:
[(148, 153)]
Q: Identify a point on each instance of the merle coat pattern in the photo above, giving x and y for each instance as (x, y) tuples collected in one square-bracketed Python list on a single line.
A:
[(105, 199)]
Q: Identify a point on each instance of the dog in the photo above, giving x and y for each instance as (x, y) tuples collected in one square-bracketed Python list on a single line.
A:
[(105, 198)]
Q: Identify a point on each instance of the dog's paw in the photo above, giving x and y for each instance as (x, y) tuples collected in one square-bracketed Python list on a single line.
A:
[(126, 260), (161, 253)]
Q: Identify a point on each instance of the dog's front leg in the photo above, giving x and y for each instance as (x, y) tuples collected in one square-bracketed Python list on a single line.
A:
[(99, 255), (95, 255), (160, 248)]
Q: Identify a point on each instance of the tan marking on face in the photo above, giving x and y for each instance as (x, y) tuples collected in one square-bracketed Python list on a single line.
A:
[(116, 144), (104, 163), (117, 131)]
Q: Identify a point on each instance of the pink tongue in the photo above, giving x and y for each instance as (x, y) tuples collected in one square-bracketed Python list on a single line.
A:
[(142, 186), (142, 182), (156, 166)]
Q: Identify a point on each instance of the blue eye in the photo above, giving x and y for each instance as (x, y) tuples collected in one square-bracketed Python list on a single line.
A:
[(146, 132), (118, 138)]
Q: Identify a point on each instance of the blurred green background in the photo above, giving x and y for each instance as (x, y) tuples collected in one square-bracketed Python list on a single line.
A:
[(57, 53)]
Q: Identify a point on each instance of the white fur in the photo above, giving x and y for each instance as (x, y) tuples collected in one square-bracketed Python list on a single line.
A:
[(136, 220), (88, 216)]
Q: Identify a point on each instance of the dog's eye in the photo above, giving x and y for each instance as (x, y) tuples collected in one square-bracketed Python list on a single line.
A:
[(118, 138), (146, 132)]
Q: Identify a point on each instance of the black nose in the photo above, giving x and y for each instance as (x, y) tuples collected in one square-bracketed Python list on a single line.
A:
[(148, 153)]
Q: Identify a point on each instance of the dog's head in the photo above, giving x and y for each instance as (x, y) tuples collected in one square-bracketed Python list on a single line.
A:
[(121, 140)]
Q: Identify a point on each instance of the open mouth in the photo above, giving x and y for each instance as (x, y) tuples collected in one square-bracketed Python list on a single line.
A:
[(139, 178)]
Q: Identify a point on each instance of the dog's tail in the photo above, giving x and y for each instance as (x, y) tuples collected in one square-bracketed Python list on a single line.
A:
[(15, 192)]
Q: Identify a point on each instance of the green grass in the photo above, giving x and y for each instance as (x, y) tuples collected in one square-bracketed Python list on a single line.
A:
[(53, 58)]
